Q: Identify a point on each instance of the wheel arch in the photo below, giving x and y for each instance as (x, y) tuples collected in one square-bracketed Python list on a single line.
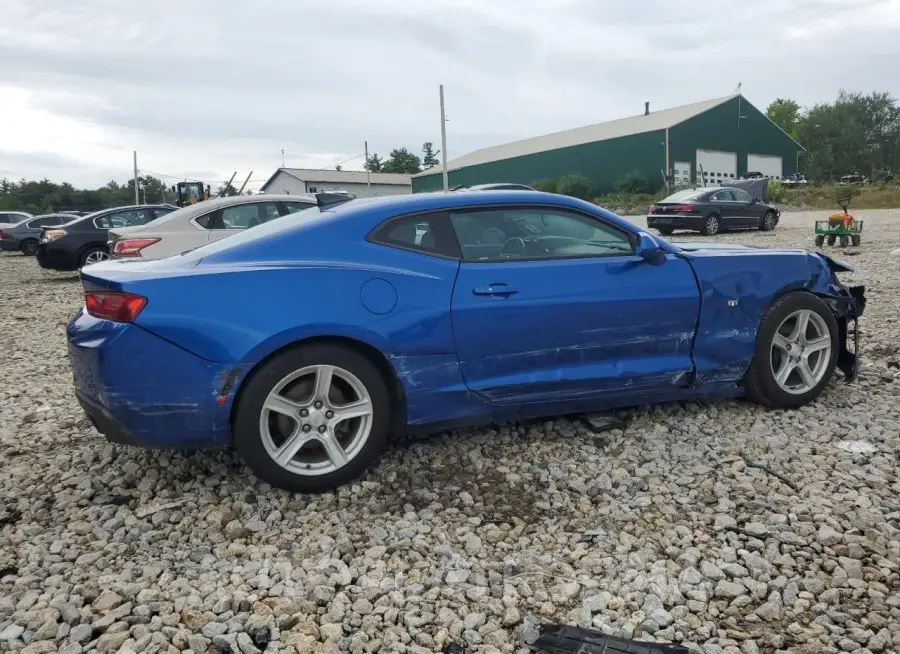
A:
[(373, 354)]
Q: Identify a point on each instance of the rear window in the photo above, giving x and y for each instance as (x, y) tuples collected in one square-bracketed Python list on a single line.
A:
[(687, 194)]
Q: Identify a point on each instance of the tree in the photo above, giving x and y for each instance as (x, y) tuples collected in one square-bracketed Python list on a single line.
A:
[(855, 133), (575, 184), (374, 164), (226, 190), (429, 155), (403, 161), (785, 114)]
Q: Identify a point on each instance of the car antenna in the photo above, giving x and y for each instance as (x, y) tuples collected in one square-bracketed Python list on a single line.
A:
[(330, 199)]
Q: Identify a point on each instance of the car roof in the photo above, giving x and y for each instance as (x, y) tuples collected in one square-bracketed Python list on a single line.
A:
[(359, 216), (200, 208), (103, 212)]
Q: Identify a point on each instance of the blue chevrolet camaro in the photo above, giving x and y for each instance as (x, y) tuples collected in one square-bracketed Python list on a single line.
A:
[(306, 341)]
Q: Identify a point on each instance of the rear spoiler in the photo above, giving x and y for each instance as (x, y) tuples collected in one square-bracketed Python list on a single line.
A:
[(327, 199)]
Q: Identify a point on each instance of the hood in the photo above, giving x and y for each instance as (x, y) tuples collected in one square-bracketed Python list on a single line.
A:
[(705, 246)]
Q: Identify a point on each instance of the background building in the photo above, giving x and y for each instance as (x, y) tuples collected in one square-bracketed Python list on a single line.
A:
[(726, 136), (297, 181)]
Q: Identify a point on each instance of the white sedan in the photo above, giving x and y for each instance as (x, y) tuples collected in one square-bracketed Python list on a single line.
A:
[(201, 223)]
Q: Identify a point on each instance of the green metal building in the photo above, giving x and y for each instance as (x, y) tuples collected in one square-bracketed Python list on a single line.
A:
[(724, 138)]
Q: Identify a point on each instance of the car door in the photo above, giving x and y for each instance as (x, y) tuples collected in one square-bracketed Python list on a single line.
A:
[(751, 210), (727, 208), (554, 305)]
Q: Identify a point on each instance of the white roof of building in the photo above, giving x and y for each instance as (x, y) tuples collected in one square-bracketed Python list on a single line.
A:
[(341, 176), (651, 122)]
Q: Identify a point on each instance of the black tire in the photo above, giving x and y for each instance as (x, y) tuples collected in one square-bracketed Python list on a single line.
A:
[(29, 247), (845, 241), (855, 240), (759, 381), (246, 435), (820, 240), (767, 223), (712, 225), (83, 259), (831, 240), (665, 231)]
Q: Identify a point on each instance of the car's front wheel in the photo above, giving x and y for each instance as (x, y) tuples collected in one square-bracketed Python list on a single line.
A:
[(312, 418), (796, 352), (767, 224)]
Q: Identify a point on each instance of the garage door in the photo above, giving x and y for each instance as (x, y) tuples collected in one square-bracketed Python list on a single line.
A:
[(767, 164), (717, 166)]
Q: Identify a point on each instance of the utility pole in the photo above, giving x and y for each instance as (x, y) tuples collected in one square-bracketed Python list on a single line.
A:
[(444, 142), (245, 183), (282, 157), (136, 199), (368, 179)]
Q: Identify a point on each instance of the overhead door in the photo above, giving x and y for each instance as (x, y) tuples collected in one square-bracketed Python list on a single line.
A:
[(717, 166), (767, 164)]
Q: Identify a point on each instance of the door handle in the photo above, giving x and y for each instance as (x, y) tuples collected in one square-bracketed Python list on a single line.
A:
[(495, 289)]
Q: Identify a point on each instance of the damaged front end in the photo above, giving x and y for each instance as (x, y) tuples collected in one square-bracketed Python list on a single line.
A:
[(847, 304)]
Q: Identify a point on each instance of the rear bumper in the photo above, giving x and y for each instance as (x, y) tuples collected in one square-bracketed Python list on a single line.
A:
[(139, 389), (10, 244), (53, 258), (688, 221)]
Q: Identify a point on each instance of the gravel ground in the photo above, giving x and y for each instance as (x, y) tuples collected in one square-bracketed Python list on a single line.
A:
[(670, 528)]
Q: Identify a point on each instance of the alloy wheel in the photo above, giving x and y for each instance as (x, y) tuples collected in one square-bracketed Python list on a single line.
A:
[(800, 352), (712, 225), (769, 221), (316, 420), (96, 257)]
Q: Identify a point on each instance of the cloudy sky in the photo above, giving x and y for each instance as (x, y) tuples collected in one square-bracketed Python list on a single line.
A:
[(201, 88)]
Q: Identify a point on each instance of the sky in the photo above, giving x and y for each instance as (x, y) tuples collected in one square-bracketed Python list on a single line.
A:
[(203, 88)]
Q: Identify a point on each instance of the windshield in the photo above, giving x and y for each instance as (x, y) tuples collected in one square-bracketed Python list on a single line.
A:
[(687, 194)]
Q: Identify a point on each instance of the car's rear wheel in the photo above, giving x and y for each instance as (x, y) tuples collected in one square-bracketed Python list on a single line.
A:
[(796, 352), (665, 231), (711, 226), (29, 247), (93, 255), (767, 224), (312, 418)]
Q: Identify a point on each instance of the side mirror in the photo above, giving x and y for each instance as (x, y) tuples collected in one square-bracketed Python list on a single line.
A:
[(648, 249), (754, 199)]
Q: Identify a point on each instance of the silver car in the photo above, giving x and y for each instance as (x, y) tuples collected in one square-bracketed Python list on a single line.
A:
[(201, 223)]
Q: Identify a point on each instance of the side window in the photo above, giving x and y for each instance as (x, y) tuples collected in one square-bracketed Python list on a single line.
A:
[(269, 211), (41, 222), (240, 216), (205, 220), (742, 196), (427, 233), (509, 234), (293, 207), (127, 218), (722, 196), (162, 211)]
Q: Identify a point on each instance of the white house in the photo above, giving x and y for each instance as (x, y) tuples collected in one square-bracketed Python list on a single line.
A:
[(297, 181)]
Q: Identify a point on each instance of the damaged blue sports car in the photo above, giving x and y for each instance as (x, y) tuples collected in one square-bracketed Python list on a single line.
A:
[(305, 342)]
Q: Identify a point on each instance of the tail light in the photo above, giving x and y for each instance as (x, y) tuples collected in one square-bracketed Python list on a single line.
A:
[(684, 208), (52, 235), (3, 234), (118, 307), (131, 247), (653, 208)]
